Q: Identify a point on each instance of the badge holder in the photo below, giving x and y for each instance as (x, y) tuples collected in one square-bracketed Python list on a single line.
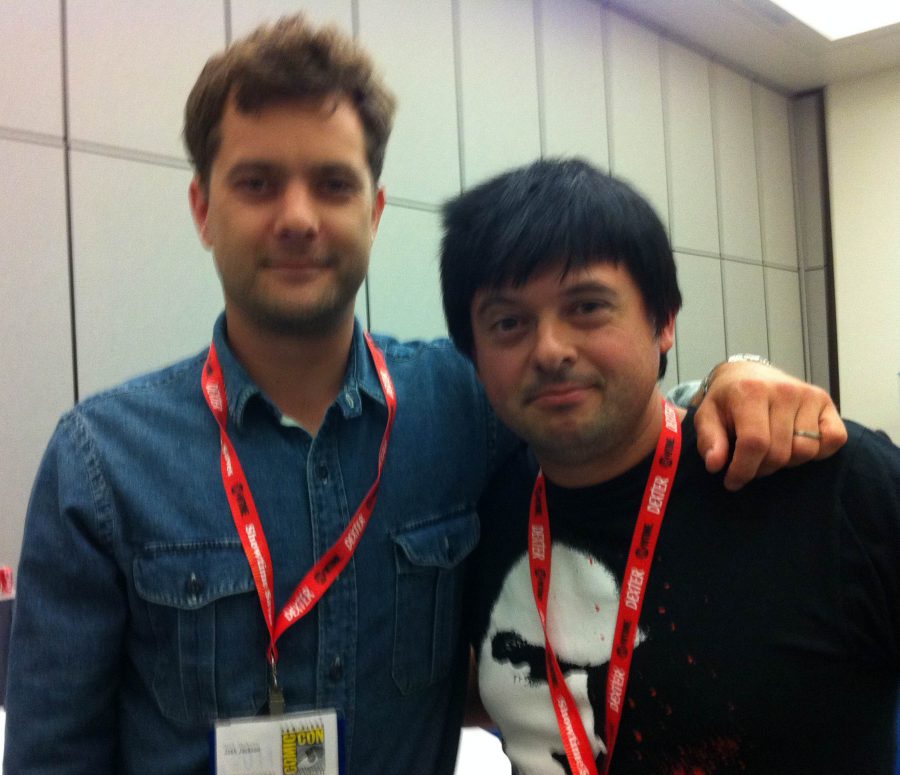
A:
[(308, 743)]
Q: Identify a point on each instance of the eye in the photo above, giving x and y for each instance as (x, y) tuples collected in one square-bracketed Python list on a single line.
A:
[(337, 186), (505, 324), (591, 307), (254, 185)]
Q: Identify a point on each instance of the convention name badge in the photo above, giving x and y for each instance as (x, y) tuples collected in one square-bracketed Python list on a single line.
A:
[(292, 744), (575, 741)]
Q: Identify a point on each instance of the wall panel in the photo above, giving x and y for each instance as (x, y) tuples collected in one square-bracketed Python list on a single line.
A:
[(776, 185), (574, 95), (634, 99), (785, 321), (689, 144), (36, 346), (810, 168), (423, 157), (739, 223), (247, 14), (30, 54), (499, 96), (131, 67), (745, 308), (700, 328), (404, 275), (146, 292)]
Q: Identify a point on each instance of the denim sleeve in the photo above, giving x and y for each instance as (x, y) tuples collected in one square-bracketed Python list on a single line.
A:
[(67, 634), (681, 394)]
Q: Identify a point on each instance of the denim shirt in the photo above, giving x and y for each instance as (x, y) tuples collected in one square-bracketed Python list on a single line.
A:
[(138, 623)]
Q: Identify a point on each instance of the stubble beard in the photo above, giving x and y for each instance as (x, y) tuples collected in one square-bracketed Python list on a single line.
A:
[(319, 317), (600, 437)]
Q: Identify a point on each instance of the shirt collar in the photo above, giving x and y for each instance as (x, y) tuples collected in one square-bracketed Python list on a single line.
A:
[(361, 377), (239, 388)]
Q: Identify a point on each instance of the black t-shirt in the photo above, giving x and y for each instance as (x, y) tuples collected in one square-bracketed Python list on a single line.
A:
[(770, 636)]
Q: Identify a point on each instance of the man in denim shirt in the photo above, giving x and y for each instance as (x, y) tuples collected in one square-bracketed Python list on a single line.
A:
[(139, 615)]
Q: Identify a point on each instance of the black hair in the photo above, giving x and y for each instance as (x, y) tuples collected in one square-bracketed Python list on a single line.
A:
[(522, 221)]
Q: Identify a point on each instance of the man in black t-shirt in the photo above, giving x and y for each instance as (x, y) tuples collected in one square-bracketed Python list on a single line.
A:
[(686, 629)]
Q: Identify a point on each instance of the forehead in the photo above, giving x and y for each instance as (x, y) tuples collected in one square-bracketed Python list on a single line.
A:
[(327, 126)]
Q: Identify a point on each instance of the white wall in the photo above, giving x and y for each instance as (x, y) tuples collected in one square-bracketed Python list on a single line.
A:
[(100, 257), (863, 130)]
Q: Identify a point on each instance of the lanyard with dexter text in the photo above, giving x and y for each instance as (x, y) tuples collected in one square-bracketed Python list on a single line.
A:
[(631, 597), (246, 518)]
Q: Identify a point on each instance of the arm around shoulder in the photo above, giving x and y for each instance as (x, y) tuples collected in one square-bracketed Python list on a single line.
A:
[(774, 419)]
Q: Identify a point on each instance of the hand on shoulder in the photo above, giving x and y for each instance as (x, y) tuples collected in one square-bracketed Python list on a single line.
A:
[(775, 420)]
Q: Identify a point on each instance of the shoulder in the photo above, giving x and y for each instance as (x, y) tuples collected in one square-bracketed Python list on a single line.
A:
[(433, 364), (865, 445), (866, 472), (868, 461), (438, 351), (153, 397)]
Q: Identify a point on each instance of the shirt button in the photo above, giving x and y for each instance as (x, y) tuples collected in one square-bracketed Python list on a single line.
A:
[(322, 472), (336, 671), (349, 399), (194, 585)]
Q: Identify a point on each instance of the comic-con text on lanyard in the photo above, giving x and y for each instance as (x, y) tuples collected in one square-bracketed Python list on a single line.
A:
[(631, 598), (246, 517)]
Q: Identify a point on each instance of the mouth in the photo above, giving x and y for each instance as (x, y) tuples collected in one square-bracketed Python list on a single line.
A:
[(557, 395), (299, 268)]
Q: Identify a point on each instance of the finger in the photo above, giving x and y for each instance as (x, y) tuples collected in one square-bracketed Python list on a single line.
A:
[(745, 464), (833, 430), (712, 438), (752, 438), (783, 420), (804, 448)]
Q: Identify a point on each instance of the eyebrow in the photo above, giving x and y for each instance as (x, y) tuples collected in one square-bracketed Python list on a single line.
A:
[(256, 166), (341, 168), (500, 297), (264, 167), (591, 286), (495, 299)]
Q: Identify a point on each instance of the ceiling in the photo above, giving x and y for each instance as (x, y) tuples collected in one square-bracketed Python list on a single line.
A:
[(760, 39)]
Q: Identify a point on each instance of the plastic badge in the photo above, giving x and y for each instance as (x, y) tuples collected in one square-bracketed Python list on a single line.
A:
[(292, 744)]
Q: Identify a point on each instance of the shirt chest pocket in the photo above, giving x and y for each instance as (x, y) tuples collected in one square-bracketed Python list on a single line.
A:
[(209, 639), (430, 564)]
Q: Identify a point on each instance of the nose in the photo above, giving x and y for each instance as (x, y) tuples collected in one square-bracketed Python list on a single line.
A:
[(298, 216), (554, 348)]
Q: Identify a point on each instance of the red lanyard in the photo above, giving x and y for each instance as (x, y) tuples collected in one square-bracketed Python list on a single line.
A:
[(246, 518), (631, 597)]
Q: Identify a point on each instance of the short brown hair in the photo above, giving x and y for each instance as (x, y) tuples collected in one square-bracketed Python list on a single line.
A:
[(284, 61)]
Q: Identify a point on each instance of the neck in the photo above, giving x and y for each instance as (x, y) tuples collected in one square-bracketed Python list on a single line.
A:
[(626, 447), (301, 374)]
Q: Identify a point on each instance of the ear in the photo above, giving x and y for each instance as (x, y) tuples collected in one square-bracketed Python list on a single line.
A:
[(377, 210), (199, 200), (666, 336)]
